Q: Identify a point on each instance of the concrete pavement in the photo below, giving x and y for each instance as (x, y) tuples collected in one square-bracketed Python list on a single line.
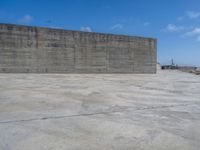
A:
[(97, 111)]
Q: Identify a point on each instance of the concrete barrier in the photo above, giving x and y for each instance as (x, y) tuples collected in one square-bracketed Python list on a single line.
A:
[(27, 49)]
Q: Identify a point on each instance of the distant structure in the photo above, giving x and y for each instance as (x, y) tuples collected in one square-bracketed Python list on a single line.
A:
[(187, 68), (177, 67), (27, 49), (172, 66)]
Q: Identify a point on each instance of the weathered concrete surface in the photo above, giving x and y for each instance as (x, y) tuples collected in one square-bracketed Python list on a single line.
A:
[(98, 112), (44, 50)]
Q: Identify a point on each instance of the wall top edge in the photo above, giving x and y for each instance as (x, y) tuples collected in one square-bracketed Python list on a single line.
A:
[(76, 31)]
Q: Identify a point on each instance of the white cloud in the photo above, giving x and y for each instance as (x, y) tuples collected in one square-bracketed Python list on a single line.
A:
[(56, 27), (198, 38), (107, 7), (117, 27), (193, 14), (86, 29), (26, 19), (181, 18), (194, 32), (190, 15), (174, 28), (147, 24)]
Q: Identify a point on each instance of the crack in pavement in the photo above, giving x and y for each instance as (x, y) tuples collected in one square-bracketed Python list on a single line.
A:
[(91, 114)]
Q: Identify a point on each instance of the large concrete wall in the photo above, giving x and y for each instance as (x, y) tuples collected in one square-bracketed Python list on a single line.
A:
[(44, 50)]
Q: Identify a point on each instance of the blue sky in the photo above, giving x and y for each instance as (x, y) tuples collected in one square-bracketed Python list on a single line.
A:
[(175, 23)]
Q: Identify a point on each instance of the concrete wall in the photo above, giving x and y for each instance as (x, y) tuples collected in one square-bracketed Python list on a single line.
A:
[(44, 50)]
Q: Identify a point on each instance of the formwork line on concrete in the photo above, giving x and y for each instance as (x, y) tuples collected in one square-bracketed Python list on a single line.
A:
[(93, 114)]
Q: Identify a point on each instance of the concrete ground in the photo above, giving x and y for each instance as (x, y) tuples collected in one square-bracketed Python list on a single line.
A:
[(100, 112)]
